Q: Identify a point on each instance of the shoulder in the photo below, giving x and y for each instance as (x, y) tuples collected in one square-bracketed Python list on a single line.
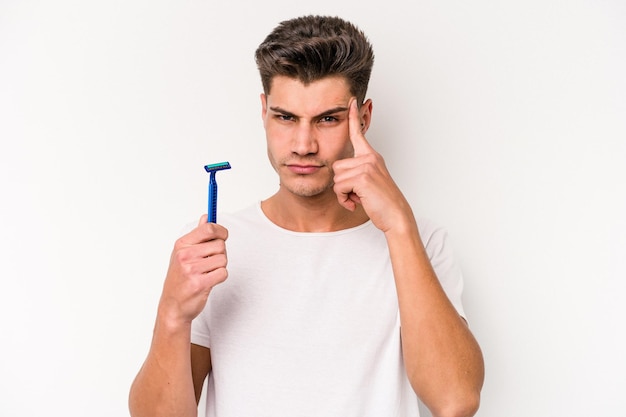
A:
[(433, 234), (243, 219), (436, 241), (230, 219)]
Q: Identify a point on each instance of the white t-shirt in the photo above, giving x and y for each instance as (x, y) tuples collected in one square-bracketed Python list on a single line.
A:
[(307, 324)]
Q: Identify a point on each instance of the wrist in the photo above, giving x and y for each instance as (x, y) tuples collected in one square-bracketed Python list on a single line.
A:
[(169, 321), (405, 227)]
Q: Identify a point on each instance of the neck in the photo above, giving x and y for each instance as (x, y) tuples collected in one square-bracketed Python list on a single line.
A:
[(321, 213)]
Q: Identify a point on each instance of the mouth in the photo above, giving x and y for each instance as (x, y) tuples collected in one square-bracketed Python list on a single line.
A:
[(303, 169)]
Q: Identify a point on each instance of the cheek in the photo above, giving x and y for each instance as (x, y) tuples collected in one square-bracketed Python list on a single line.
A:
[(271, 158), (343, 146), (346, 150), (349, 150), (275, 151), (271, 152), (275, 136)]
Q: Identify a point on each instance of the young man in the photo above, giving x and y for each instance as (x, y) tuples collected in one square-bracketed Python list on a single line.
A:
[(335, 302)]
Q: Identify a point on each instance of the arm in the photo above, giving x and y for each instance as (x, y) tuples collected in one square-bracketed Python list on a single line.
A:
[(170, 380), (442, 359)]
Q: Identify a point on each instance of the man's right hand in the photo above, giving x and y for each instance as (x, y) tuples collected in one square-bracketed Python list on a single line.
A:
[(197, 264)]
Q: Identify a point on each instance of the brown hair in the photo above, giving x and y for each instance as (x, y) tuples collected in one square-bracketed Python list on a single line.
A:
[(310, 48)]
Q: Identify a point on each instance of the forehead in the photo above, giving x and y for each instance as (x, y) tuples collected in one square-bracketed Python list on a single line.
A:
[(293, 95)]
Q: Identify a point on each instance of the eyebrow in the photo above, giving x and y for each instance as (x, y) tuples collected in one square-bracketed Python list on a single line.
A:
[(323, 114)]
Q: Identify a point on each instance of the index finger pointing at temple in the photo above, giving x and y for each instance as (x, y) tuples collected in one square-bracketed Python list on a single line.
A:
[(359, 143)]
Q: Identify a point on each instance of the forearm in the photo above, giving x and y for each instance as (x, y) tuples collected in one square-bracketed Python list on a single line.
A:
[(164, 385), (442, 359)]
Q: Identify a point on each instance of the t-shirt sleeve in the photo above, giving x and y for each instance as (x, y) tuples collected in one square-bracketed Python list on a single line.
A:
[(200, 334), (441, 256)]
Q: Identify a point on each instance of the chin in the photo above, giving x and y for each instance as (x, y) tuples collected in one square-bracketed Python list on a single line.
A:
[(305, 190)]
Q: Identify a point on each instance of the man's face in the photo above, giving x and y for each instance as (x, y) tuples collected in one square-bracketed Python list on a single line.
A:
[(307, 130)]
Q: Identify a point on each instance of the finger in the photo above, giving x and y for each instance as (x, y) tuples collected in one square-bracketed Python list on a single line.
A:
[(359, 143), (344, 188), (348, 199), (212, 228), (185, 254), (204, 232), (207, 265), (208, 249)]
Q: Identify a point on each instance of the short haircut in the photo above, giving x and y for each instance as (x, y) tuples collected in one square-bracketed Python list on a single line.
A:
[(311, 48)]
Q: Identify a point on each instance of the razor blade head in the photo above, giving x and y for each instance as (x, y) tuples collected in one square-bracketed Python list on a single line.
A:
[(217, 167)]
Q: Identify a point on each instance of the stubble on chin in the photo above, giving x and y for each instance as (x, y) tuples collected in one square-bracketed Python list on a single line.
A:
[(305, 185)]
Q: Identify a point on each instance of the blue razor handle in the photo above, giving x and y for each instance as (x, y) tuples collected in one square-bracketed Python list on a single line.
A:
[(212, 169)]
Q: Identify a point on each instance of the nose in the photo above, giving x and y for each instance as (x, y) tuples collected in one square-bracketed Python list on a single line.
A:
[(304, 141)]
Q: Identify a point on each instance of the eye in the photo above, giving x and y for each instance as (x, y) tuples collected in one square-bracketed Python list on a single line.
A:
[(329, 119), (284, 117)]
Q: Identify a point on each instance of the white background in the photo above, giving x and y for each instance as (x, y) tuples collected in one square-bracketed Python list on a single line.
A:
[(503, 121)]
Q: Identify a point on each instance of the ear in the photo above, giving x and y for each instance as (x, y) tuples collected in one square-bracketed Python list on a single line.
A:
[(365, 114), (263, 105), (263, 108)]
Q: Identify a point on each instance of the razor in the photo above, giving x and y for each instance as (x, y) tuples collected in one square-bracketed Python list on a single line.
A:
[(212, 169)]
